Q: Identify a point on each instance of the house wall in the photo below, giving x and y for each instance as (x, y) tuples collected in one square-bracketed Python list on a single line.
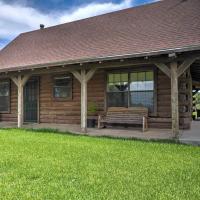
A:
[(52, 111), (68, 111)]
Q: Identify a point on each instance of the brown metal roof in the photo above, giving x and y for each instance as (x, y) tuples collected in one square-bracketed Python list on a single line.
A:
[(165, 25)]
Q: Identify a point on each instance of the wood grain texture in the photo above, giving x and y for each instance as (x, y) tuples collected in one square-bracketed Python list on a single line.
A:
[(68, 111)]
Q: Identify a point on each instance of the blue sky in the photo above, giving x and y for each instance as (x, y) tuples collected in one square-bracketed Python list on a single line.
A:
[(17, 16)]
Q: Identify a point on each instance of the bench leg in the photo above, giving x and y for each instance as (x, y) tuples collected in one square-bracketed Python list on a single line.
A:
[(143, 124), (99, 122), (146, 123)]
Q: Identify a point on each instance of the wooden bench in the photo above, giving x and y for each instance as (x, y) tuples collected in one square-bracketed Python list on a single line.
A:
[(122, 115)]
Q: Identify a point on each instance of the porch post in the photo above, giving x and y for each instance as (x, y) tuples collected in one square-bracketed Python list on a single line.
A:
[(174, 99), (20, 81), (83, 101), (83, 77), (20, 102)]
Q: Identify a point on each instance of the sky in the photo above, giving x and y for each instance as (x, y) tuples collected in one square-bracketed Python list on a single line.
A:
[(17, 16)]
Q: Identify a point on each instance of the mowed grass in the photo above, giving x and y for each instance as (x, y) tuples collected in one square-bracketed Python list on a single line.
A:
[(42, 165)]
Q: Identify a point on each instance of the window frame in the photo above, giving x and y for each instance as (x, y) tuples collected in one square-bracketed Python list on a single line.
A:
[(125, 92), (9, 96), (71, 86), (129, 70)]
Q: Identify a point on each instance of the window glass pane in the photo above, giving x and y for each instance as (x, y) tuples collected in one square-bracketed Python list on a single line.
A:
[(4, 89), (133, 81), (117, 99), (111, 78), (149, 84), (142, 81), (134, 77), (141, 87), (124, 77), (112, 87), (117, 87), (4, 104), (145, 99), (117, 78), (62, 87), (63, 81), (141, 76), (149, 76), (4, 96), (62, 92), (117, 82)]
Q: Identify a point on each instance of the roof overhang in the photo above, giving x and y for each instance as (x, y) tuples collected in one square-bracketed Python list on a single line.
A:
[(103, 58)]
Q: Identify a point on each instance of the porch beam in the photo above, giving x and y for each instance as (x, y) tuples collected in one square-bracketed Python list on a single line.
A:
[(185, 65), (164, 68), (20, 81), (83, 77), (90, 73), (77, 75), (174, 99), (15, 80)]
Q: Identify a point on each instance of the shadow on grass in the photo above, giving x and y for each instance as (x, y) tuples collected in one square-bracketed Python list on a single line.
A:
[(56, 131)]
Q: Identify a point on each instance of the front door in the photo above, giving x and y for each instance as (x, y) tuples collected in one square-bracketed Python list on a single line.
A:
[(31, 94)]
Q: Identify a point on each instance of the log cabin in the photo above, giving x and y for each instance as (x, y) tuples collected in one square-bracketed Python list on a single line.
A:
[(142, 56)]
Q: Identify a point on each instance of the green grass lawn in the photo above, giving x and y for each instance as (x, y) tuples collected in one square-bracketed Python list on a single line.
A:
[(42, 165)]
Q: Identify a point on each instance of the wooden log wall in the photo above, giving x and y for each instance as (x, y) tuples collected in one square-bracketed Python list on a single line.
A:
[(52, 111), (68, 111)]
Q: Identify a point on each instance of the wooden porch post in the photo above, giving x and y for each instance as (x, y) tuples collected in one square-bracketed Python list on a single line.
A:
[(83, 101), (174, 72), (20, 102), (83, 77), (20, 81), (174, 99)]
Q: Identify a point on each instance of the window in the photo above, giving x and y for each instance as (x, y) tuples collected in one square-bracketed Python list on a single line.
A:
[(4, 96), (62, 87), (117, 89), (131, 89), (142, 89)]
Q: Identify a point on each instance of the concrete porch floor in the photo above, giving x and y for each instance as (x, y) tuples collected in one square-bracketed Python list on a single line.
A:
[(186, 136), (112, 132), (191, 136)]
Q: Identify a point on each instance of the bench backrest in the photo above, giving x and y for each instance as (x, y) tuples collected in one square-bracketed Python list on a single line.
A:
[(131, 111)]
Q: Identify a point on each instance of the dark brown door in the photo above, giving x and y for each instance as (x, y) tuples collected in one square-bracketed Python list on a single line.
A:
[(31, 100)]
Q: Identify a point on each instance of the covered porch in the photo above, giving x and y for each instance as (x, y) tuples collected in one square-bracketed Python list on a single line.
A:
[(174, 66)]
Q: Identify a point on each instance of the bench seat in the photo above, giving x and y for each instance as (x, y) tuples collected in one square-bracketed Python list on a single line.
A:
[(121, 115)]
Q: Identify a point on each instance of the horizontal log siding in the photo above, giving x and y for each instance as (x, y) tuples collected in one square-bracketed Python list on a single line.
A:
[(52, 111), (163, 118), (12, 115)]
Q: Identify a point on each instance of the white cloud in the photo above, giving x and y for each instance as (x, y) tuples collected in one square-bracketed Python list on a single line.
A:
[(94, 9), (16, 18)]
